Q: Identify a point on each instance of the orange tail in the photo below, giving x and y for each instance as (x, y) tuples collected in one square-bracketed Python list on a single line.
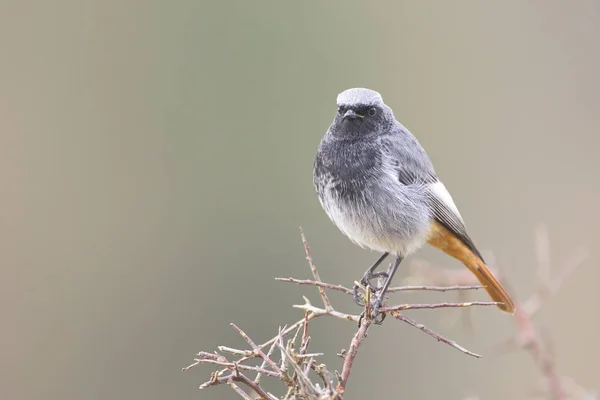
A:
[(492, 286), (444, 240)]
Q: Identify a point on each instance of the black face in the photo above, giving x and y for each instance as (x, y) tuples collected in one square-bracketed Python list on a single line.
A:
[(358, 120)]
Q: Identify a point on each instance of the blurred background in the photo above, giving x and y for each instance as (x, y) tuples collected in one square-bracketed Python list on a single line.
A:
[(156, 162)]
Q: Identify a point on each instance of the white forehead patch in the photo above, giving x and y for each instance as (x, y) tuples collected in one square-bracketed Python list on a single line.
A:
[(359, 96)]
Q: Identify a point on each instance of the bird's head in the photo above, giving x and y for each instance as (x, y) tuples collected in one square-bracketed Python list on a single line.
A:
[(361, 113)]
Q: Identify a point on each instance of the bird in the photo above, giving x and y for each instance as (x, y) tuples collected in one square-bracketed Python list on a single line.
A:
[(378, 185)]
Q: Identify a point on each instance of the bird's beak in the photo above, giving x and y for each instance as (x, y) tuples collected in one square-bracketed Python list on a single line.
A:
[(350, 114)]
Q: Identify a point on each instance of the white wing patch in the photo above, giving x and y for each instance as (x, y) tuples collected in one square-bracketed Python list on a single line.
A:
[(445, 211), (442, 193)]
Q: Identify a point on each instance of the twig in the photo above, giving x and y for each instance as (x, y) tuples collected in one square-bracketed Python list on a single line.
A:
[(402, 307), (216, 378), (309, 355), (314, 271), (321, 371), (323, 285), (257, 388), (240, 366), (346, 290), (257, 349), (319, 312), (236, 352), (435, 288), (264, 363), (357, 340), (280, 345), (305, 338), (431, 333), (305, 382), (238, 390)]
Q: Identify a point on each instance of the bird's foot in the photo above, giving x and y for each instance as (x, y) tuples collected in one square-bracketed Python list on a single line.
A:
[(365, 282), (374, 314)]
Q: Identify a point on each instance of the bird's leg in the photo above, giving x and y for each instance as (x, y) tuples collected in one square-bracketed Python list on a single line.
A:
[(367, 277), (370, 274), (381, 294)]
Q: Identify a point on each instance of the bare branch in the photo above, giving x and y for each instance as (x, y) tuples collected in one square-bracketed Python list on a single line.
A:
[(296, 358), (313, 269), (257, 349), (216, 378), (240, 366), (238, 390), (431, 333), (323, 285), (236, 352), (402, 307), (256, 387), (357, 340), (346, 290), (434, 288), (264, 362)]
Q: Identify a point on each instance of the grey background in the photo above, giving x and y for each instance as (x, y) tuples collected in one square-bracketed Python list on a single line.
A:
[(155, 164)]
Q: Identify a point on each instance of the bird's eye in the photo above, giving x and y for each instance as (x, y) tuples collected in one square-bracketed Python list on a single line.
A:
[(372, 112), (340, 110)]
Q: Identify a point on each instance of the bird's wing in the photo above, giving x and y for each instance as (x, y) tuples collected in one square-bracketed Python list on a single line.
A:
[(410, 162), (413, 167), (445, 212)]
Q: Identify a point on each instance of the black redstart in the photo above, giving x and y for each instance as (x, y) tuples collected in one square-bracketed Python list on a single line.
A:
[(378, 185)]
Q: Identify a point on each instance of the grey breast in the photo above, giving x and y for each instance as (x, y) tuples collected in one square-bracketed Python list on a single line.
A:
[(361, 193)]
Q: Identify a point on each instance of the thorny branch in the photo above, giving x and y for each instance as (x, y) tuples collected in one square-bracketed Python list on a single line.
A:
[(295, 363)]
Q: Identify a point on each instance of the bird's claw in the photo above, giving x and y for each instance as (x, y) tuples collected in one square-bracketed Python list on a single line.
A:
[(376, 316), (366, 282)]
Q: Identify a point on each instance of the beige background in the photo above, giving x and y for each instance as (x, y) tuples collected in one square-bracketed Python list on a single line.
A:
[(156, 160)]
